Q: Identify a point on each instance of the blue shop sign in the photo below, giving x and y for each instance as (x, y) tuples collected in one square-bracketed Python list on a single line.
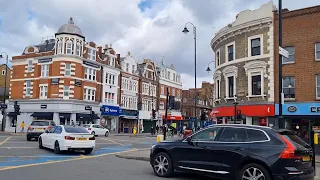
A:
[(110, 110), (298, 109), (125, 112)]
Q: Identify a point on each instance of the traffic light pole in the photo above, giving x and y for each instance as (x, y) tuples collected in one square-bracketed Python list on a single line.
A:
[(166, 116)]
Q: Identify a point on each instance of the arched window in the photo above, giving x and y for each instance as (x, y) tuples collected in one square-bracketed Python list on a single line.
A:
[(78, 49), (59, 47), (69, 47)]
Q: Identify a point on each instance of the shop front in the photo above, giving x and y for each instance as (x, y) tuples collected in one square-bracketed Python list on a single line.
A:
[(128, 119), (145, 120), (300, 117), (110, 117), (262, 115)]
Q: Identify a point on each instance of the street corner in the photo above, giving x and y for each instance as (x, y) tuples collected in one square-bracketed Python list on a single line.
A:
[(139, 154)]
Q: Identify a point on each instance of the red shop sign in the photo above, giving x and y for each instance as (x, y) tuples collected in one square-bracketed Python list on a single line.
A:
[(263, 121), (248, 110)]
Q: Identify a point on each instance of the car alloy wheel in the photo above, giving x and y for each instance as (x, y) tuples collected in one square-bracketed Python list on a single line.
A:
[(56, 148), (107, 134), (253, 173), (40, 143), (161, 165)]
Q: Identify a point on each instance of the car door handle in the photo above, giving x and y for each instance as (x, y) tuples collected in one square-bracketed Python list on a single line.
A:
[(239, 149)]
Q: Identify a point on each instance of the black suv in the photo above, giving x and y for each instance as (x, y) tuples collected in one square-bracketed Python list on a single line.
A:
[(239, 152)]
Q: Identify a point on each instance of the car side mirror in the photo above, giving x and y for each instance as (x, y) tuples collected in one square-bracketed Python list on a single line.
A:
[(46, 131)]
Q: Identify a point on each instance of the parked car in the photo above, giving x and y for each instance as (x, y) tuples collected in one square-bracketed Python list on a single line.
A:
[(38, 127), (97, 129), (239, 152), (67, 138)]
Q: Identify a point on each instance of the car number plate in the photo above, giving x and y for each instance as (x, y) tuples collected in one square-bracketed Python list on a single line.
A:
[(39, 128), (306, 158), (82, 139)]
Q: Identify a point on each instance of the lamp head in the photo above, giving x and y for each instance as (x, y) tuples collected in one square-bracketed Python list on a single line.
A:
[(185, 30)]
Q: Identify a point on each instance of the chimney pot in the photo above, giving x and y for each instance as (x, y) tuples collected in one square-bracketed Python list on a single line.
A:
[(110, 45), (106, 46), (129, 53)]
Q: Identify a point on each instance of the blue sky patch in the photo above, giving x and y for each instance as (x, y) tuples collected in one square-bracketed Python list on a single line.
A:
[(145, 4)]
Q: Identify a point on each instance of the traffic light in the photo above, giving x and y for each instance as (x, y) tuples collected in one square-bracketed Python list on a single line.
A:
[(16, 108), (153, 113), (239, 115)]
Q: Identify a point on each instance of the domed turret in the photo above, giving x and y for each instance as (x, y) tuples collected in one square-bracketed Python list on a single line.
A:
[(70, 28)]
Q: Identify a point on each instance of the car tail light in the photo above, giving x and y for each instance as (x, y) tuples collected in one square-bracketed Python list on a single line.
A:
[(89, 129), (69, 138), (289, 151), (44, 128), (92, 138), (49, 127), (30, 128)]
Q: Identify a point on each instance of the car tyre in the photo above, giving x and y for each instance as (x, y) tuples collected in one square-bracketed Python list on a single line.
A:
[(162, 165), (28, 138), (106, 134), (40, 144), (253, 171), (56, 148), (88, 151)]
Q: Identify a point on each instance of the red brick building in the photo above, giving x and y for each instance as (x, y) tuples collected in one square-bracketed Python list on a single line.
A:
[(301, 71)]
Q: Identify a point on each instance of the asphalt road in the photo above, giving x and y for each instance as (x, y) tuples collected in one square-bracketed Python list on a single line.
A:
[(20, 159)]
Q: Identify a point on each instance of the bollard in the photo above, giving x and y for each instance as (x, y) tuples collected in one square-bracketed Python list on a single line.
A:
[(135, 130), (316, 138), (159, 138)]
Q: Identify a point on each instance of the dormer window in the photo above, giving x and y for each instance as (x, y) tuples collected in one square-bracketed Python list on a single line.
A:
[(69, 47), (78, 49), (59, 47), (92, 54)]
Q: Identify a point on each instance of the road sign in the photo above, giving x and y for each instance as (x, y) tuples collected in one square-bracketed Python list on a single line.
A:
[(283, 52), (4, 106), (88, 108)]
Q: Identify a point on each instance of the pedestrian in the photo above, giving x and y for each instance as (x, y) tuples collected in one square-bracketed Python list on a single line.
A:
[(22, 126), (72, 123), (157, 129)]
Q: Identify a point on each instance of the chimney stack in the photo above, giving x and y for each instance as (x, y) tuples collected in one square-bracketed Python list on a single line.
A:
[(110, 45), (129, 54), (106, 46)]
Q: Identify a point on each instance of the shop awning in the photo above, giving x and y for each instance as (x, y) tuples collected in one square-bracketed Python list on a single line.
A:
[(128, 117), (11, 114), (43, 115), (81, 116), (65, 115)]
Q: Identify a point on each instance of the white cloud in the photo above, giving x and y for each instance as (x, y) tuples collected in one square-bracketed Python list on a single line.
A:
[(154, 33)]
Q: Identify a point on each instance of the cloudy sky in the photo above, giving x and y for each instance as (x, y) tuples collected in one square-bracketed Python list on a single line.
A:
[(146, 28)]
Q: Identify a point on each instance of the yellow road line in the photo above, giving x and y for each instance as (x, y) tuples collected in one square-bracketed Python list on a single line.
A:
[(4, 141), (67, 160), (18, 147)]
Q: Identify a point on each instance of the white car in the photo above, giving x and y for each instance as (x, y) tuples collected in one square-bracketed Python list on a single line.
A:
[(97, 129), (67, 138)]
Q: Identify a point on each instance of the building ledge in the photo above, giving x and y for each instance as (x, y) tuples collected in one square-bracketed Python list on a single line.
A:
[(230, 98), (256, 96)]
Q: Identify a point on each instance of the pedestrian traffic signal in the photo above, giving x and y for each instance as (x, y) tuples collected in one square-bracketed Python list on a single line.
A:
[(153, 113), (16, 108)]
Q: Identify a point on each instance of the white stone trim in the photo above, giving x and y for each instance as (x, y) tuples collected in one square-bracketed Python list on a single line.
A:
[(89, 87), (216, 62), (43, 84), (62, 72), (71, 95), (228, 72), (61, 86), (61, 81), (256, 65), (234, 51), (52, 77), (9, 97), (10, 89), (264, 56), (261, 44), (62, 64), (255, 68), (71, 91), (32, 74), (72, 73), (71, 82), (73, 69), (25, 75), (61, 91), (270, 70), (9, 92)]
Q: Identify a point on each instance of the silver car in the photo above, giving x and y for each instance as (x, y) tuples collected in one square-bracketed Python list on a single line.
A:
[(38, 127)]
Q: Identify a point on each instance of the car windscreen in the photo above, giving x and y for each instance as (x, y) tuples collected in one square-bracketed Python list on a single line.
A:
[(40, 123), (75, 130), (86, 126), (301, 144)]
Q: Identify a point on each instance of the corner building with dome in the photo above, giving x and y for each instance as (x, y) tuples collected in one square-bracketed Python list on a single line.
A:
[(60, 79), (244, 69)]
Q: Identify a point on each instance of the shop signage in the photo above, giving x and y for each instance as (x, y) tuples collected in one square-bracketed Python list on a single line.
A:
[(125, 112), (91, 64), (77, 82), (315, 109), (292, 108), (43, 106), (45, 60), (88, 108), (109, 110), (55, 81)]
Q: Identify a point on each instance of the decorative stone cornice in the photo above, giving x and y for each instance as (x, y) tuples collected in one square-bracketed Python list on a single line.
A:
[(255, 65), (217, 74), (230, 70)]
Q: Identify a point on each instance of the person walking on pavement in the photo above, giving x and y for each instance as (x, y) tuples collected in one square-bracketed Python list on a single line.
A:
[(157, 129), (22, 126)]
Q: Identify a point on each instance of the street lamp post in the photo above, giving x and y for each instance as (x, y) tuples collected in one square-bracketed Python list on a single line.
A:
[(185, 30), (280, 61), (208, 68), (4, 92)]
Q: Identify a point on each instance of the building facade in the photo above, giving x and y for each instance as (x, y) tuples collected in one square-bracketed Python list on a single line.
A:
[(244, 68), (204, 104), (110, 110), (4, 80), (129, 94), (57, 79), (148, 94), (169, 79), (301, 71)]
